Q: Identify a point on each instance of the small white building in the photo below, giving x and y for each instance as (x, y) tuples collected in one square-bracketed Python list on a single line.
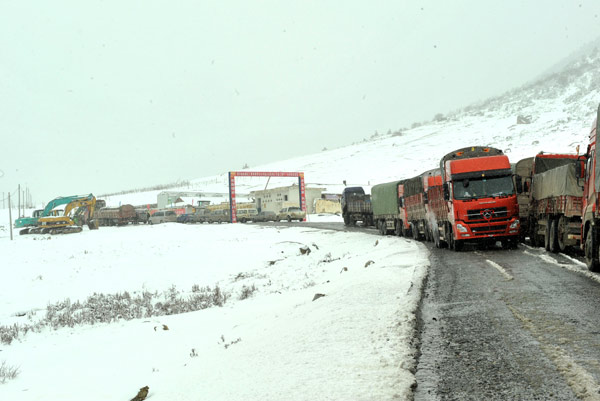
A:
[(276, 198)]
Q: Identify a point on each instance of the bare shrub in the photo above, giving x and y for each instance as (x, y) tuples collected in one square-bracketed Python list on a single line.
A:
[(247, 291), (101, 308), (7, 372)]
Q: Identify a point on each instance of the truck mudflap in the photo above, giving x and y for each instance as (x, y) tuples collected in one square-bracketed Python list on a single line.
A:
[(467, 231)]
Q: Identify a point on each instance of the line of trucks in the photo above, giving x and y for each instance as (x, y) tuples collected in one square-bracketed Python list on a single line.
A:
[(477, 195)]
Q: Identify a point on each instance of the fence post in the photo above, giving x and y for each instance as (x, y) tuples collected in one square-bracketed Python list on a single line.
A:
[(10, 217)]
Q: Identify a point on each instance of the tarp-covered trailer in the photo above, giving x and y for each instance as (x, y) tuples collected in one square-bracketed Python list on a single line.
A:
[(389, 214), (556, 202)]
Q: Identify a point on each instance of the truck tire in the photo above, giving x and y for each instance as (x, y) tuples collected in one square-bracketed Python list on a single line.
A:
[(407, 232), (436, 239), (533, 237), (547, 234), (398, 229), (415, 232), (428, 236), (455, 245), (562, 230), (346, 220), (382, 228), (553, 237), (591, 250)]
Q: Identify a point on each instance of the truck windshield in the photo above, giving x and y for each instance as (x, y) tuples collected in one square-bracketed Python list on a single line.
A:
[(483, 187)]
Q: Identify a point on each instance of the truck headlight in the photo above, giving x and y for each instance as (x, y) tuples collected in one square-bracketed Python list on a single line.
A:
[(514, 224), (461, 228)]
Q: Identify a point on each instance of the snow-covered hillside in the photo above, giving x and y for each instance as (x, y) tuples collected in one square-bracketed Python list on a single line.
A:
[(560, 106)]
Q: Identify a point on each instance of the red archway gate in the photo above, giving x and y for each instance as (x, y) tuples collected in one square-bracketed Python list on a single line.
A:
[(233, 174)]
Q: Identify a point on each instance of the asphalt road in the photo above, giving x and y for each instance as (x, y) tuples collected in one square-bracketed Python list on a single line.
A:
[(506, 325)]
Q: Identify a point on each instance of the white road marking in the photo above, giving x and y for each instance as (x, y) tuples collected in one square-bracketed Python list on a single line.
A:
[(500, 269)]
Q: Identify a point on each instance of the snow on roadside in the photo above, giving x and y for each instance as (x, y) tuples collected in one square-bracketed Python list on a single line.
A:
[(356, 342)]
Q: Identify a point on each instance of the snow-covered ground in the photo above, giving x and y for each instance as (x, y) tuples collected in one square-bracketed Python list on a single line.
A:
[(353, 343)]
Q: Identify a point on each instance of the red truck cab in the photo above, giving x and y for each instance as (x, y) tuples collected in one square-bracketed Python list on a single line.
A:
[(480, 197)]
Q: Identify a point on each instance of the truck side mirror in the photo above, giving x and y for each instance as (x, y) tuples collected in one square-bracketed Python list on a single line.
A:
[(579, 169), (519, 184), (446, 191)]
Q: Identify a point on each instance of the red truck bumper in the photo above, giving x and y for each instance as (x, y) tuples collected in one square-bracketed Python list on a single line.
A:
[(466, 231)]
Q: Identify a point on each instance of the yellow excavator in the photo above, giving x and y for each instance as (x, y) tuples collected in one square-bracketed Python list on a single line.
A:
[(83, 210)]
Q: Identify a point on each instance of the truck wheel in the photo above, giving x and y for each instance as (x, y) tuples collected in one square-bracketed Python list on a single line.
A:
[(562, 231), (398, 229), (533, 233), (289, 219), (553, 245), (454, 244), (591, 251), (346, 220), (458, 245), (415, 231), (428, 236), (436, 239), (547, 234), (382, 228), (407, 232)]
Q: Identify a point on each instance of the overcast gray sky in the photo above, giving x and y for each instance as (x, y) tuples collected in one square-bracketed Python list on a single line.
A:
[(100, 96)]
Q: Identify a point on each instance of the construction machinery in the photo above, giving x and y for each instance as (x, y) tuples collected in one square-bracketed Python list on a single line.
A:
[(80, 206)]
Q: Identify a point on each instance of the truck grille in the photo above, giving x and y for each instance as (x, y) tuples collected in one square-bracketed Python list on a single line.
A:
[(489, 229), (492, 213)]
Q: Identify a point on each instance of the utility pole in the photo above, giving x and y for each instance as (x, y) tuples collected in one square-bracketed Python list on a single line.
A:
[(10, 217), (19, 198)]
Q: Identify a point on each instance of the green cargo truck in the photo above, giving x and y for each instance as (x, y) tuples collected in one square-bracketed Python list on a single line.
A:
[(389, 214)]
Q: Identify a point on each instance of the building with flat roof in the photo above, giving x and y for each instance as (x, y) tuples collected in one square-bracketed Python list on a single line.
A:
[(276, 198)]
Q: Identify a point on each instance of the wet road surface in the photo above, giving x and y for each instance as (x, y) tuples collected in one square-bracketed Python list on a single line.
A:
[(509, 325)]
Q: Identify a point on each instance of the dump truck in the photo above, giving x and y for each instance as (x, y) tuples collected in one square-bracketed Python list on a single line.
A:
[(356, 206), (555, 206), (477, 201), (117, 216), (389, 214)]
